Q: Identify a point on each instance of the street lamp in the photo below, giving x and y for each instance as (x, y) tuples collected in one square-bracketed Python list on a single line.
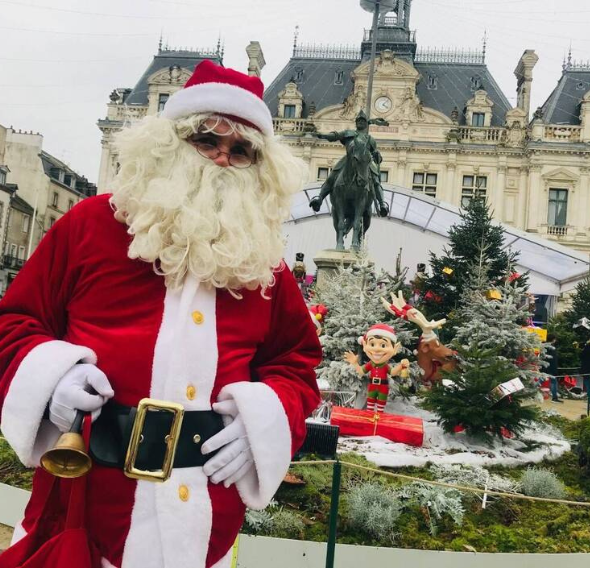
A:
[(376, 7)]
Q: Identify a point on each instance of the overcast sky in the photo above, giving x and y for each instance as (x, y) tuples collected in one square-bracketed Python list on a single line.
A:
[(60, 59)]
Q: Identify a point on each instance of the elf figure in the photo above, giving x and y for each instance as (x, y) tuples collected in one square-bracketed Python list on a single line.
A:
[(380, 345)]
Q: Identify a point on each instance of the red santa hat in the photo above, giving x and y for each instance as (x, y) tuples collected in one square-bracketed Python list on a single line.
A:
[(213, 88), (380, 330)]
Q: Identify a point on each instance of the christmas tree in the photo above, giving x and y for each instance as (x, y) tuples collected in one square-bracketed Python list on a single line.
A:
[(495, 319), (493, 348), (580, 309), (467, 398), (353, 298), (450, 272)]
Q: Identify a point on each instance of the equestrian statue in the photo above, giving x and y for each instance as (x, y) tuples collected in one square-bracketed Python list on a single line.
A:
[(355, 182)]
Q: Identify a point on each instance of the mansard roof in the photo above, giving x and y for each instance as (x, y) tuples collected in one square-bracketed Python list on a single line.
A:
[(164, 59), (456, 83), (563, 104), (318, 82)]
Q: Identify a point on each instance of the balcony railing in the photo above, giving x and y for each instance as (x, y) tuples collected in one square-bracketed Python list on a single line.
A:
[(289, 125), (9, 261), (557, 230), (481, 135), (562, 133)]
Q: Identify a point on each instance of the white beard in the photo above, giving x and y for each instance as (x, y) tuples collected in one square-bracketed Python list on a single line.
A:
[(189, 216)]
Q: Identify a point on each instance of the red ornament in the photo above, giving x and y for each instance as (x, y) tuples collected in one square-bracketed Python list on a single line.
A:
[(319, 311), (431, 296)]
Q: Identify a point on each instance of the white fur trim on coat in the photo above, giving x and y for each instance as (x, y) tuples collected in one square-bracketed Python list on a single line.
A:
[(166, 531), (219, 98), (28, 396), (269, 435)]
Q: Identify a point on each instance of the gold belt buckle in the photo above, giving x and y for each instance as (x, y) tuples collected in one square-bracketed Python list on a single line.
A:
[(171, 440)]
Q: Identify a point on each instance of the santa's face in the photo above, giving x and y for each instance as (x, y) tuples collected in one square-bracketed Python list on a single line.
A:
[(205, 196), (380, 349), (220, 143)]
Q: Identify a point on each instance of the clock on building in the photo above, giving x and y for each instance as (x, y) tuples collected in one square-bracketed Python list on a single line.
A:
[(383, 104)]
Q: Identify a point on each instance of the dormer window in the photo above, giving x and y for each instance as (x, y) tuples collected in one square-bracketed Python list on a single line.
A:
[(55, 173), (162, 101), (290, 111), (68, 180), (478, 119), (339, 78), (298, 75), (581, 86), (432, 84), (475, 83)]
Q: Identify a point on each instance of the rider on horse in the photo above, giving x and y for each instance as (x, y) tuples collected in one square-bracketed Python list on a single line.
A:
[(346, 137)]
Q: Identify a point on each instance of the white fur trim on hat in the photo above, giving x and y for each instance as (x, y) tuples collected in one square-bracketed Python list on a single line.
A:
[(381, 333), (221, 98)]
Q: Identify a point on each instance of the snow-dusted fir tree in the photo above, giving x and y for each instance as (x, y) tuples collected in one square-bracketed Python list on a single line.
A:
[(353, 298), (493, 347), (500, 324)]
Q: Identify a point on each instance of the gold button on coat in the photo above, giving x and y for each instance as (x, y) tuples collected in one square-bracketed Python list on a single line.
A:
[(183, 493), (191, 392), (198, 317)]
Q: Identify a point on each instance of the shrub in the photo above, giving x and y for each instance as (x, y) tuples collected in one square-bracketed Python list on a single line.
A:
[(286, 524), (473, 476), (438, 501), (584, 444), (537, 482), (374, 509), (258, 521)]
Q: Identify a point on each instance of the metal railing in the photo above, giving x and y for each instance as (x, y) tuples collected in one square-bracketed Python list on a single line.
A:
[(9, 261), (321, 51), (465, 56)]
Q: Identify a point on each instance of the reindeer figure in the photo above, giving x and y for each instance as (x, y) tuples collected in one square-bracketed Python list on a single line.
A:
[(431, 355)]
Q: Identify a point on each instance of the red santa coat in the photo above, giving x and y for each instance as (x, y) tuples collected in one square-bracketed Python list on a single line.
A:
[(80, 298)]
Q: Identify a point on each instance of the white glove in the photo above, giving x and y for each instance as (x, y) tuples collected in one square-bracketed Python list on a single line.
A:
[(72, 393), (235, 458)]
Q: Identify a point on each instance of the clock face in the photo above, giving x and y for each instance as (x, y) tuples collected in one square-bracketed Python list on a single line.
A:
[(383, 104)]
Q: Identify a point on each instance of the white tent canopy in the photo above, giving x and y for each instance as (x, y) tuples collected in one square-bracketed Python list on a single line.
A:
[(418, 225)]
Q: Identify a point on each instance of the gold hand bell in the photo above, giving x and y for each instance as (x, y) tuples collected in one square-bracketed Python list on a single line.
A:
[(69, 457)]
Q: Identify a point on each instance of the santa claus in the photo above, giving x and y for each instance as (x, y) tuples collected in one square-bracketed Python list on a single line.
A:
[(171, 288)]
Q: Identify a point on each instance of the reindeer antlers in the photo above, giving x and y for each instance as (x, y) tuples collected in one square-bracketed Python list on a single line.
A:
[(401, 309)]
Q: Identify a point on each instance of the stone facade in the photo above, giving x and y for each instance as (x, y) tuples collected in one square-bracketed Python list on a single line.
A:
[(535, 176), (36, 189), (168, 72)]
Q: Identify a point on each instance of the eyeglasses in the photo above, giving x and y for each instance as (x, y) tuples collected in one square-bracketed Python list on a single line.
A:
[(212, 152)]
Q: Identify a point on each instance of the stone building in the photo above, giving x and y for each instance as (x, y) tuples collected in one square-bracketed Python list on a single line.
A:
[(168, 72), (36, 189), (452, 133)]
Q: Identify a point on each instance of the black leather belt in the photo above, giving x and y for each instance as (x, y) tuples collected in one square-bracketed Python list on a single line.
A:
[(378, 382), (111, 434)]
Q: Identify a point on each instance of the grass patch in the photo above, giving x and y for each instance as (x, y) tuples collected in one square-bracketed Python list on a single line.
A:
[(12, 471)]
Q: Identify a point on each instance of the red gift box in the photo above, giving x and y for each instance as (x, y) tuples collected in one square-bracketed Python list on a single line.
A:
[(404, 429)]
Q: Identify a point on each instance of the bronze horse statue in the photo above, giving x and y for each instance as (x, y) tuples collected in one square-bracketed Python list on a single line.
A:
[(354, 184)]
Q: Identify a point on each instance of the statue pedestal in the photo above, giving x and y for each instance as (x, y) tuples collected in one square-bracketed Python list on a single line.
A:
[(328, 262)]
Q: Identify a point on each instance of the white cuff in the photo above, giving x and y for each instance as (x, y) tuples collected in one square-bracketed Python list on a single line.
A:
[(269, 434), (28, 395)]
